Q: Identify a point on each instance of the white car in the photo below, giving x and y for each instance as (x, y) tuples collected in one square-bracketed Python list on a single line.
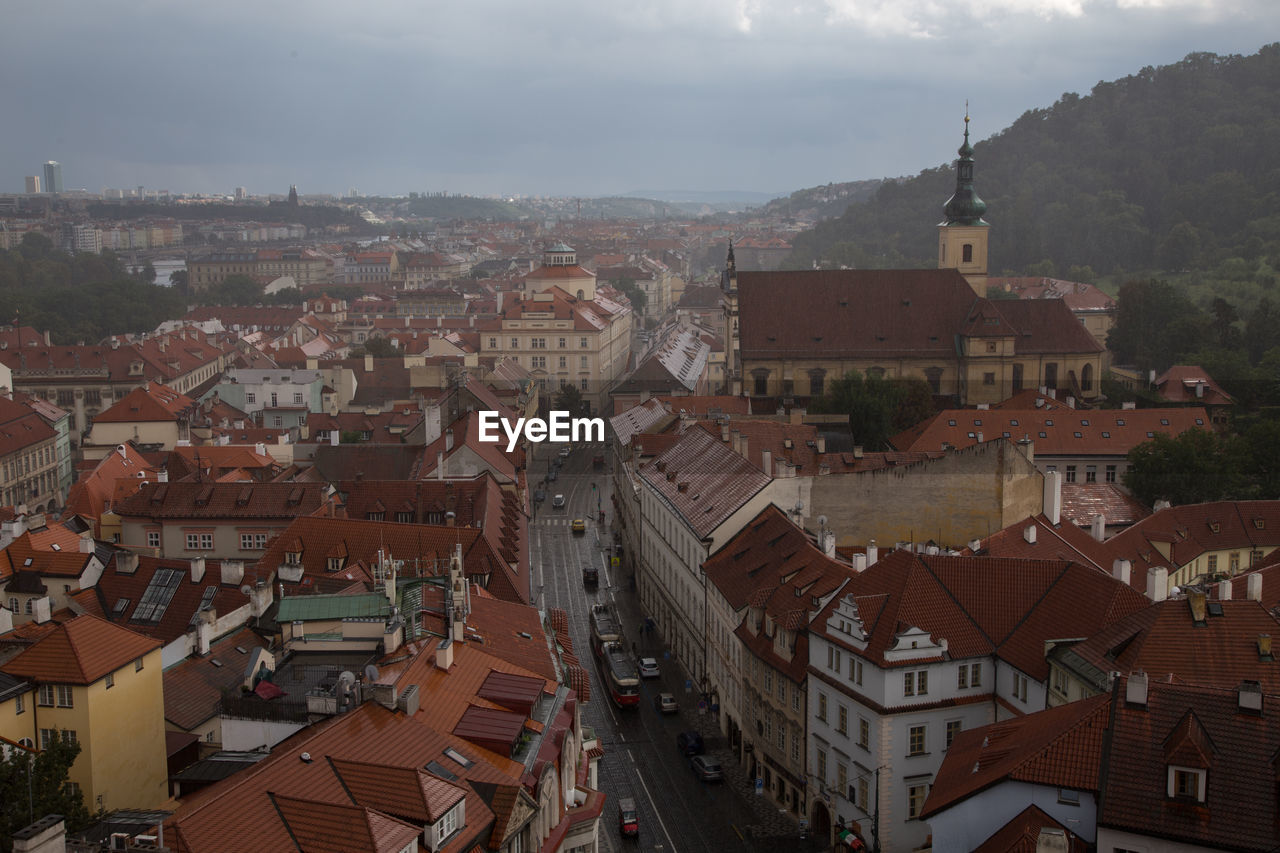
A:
[(557, 501), (648, 668)]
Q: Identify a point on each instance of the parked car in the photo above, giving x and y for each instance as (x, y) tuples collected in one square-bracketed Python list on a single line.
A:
[(539, 495), (706, 769), (552, 476), (665, 703), (579, 526), (558, 502), (590, 576), (689, 743), (628, 818), (649, 668), (564, 452)]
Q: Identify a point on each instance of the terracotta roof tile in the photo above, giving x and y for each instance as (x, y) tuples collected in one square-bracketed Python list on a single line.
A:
[(80, 651), (704, 480), (194, 687), (318, 826)]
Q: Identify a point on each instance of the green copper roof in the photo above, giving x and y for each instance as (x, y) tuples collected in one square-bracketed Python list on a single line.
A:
[(964, 207), (307, 608), (559, 248)]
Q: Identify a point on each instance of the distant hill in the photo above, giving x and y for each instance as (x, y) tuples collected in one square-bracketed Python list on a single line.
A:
[(1174, 168), (824, 202), (461, 207)]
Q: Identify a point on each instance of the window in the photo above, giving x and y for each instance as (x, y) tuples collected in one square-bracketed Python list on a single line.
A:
[(564, 362), (583, 384), (493, 343), (13, 604), (1068, 797), (988, 379), (137, 665), (206, 541), (953, 729), (582, 343), (29, 606), (821, 769), (110, 680), (1091, 473), (1213, 563), (19, 704), (991, 347), (761, 383), (193, 541), (916, 795), (515, 343), (962, 680), (966, 253), (833, 659), (915, 740), (1186, 782), (855, 671), (297, 398), (1020, 687), (250, 397), (915, 683), (1071, 473), (448, 824), (153, 538), (822, 706), (864, 733), (1235, 562), (864, 793), (45, 698), (842, 721), (1110, 474), (768, 684), (582, 363), (562, 343), (842, 776), (817, 380), (795, 697), (782, 689)]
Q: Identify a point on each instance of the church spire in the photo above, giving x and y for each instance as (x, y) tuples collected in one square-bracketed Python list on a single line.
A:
[(964, 207)]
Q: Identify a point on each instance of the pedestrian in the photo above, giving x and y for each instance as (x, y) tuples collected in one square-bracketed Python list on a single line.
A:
[(635, 652)]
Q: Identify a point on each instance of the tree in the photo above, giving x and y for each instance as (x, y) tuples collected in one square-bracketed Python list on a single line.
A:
[(569, 399), (877, 407), (235, 289), (378, 347), (34, 784), (1192, 467)]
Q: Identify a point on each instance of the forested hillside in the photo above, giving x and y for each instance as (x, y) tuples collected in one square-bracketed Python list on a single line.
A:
[(1172, 169)]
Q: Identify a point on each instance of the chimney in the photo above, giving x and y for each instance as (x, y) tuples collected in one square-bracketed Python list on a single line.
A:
[(126, 562), (736, 441), (859, 562), (1098, 528), (828, 540), (766, 462), (204, 630), (1158, 584), (1029, 534), (857, 451), (822, 444), (232, 572), (41, 610), (1199, 610), (87, 545), (1264, 647), (368, 364), (978, 437), (448, 440), (1053, 497), (1253, 591), (47, 835), (1052, 840), (745, 455), (873, 553), (1120, 571), (444, 654), (6, 620), (162, 476), (1071, 402), (439, 464), (334, 437), (1135, 689), (1199, 390), (1248, 699), (197, 569)]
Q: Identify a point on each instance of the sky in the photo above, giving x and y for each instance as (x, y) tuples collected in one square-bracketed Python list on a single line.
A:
[(555, 97)]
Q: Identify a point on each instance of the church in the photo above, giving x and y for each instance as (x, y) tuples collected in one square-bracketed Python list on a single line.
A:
[(792, 333)]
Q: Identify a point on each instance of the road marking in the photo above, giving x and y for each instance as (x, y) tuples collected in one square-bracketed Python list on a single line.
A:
[(656, 813), (631, 757)]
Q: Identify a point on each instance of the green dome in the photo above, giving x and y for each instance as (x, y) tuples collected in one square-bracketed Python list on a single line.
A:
[(964, 207)]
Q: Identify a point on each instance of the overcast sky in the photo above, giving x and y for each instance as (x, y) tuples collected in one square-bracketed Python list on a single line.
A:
[(555, 97)]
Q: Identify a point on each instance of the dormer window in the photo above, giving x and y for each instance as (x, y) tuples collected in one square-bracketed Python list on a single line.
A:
[(333, 564), (1186, 783), (293, 558)]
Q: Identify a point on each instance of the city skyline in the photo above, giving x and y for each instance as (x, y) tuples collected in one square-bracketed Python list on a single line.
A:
[(563, 100)]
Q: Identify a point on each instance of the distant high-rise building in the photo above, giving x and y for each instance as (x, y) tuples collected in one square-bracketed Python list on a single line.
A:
[(241, 193), (293, 196), (33, 184), (53, 177)]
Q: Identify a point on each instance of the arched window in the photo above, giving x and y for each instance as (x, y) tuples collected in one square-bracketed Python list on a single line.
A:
[(967, 252), (1086, 378)]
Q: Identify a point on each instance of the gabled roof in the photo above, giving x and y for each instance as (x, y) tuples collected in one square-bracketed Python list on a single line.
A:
[(319, 826), (151, 403), (194, 687), (80, 651), (704, 481), (1060, 747), (409, 793), (1022, 834), (173, 599)]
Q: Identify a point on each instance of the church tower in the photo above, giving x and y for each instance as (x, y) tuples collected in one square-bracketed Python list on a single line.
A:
[(732, 346), (962, 235)]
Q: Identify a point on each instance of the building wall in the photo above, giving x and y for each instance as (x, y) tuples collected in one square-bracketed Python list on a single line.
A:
[(1116, 840), (968, 823), (964, 495), (14, 725), (226, 536), (103, 437), (127, 751), (32, 475)]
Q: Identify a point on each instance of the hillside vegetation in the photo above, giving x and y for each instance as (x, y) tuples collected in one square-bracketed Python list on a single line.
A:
[(1172, 170)]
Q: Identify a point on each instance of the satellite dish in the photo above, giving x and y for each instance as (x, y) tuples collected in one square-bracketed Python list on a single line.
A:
[(371, 673), (1175, 591), (345, 680), (246, 590), (822, 521)]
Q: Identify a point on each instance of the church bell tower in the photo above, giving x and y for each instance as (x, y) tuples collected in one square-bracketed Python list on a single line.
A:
[(962, 235)]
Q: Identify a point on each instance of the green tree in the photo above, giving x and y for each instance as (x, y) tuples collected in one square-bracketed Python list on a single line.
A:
[(569, 399), (35, 246), (1192, 467), (378, 347), (235, 289), (34, 784), (877, 408)]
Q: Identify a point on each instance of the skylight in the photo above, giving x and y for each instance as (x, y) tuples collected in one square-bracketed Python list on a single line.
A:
[(159, 593)]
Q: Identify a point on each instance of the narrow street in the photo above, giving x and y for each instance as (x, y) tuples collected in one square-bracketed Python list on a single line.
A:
[(677, 811)]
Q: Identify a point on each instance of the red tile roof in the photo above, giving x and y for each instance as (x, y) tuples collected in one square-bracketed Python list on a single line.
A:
[(1062, 432), (1082, 501), (224, 501), (1022, 834), (80, 651), (150, 403), (1061, 747), (21, 427), (320, 826), (194, 687), (1186, 383), (704, 480)]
